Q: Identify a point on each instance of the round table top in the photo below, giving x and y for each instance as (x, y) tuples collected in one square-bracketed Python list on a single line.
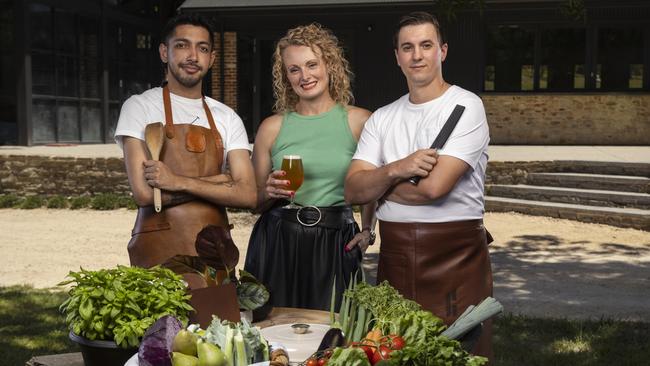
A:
[(281, 315)]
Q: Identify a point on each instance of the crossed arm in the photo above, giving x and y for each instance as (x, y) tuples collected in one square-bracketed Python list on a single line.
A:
[(236, 189), (365, 182)]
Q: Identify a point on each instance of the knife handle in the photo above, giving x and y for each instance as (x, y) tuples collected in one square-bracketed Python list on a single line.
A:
[(415, 180), (157, 199)]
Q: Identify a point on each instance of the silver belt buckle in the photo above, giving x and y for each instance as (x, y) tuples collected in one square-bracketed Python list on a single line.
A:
[(320, 215)]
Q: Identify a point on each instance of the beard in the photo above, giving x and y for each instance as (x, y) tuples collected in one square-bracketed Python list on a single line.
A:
[(188, 81)]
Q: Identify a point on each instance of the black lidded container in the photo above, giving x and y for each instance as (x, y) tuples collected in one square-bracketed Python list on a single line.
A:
[(102, 353)]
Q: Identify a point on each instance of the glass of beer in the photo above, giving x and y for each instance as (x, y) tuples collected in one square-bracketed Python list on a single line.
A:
[(292, 165)]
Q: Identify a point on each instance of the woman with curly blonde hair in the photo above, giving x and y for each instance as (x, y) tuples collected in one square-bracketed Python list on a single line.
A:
[(299, 252)]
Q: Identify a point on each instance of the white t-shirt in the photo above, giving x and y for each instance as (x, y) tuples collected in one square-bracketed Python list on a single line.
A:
[(140, 110), (400, 128)]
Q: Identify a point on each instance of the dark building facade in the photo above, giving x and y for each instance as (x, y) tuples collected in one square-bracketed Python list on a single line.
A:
[(548, 73), (67, 65)]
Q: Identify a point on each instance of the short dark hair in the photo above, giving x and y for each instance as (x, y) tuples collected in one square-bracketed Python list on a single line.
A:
[(185, 19), (417, 18)]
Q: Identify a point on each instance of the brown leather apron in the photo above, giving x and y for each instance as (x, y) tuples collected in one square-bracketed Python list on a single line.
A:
[(444, 267), (191, 151)]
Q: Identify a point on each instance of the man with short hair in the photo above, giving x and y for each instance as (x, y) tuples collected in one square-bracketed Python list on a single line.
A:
[(433, 243), (201, 137)]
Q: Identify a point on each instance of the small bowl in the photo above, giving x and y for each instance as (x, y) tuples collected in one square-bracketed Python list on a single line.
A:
[(300, 328)]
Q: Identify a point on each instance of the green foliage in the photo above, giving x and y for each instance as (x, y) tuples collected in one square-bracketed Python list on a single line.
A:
[(121, 303), (105, 201), (32, 202), (79, 202), (57, 202), (127, 202), (10, 201)]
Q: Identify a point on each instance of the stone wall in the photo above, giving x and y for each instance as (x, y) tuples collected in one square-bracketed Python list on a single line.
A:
[(568, 119), (29, 175), (42, 175)]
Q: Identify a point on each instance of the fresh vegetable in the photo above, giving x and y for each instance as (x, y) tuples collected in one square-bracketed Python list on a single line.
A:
[(350, 356), (364, 306), (425, 346), (242, 344), (157, 342), (332, 339), (472, 317), (381, 353), (121, 303)]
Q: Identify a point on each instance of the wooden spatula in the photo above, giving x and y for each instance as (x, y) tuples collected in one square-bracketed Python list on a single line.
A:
[(154, 138)]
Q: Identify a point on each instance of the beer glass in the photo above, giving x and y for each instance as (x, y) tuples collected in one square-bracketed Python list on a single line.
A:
[(292, 165)]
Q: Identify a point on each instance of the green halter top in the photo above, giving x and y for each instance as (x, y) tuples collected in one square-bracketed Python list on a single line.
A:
[(326, 146)]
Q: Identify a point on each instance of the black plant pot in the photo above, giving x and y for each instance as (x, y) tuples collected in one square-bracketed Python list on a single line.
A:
[(102, 353)]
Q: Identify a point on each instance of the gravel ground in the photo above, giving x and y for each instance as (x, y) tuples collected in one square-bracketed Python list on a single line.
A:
[(542, 266)]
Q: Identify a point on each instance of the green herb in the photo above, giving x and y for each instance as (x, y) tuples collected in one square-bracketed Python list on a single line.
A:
[(121, 303)]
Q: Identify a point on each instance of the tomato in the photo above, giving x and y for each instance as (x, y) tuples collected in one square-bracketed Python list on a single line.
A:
[(382, 353), (393, 341), (312, 362), (322, 361), (369, 350)]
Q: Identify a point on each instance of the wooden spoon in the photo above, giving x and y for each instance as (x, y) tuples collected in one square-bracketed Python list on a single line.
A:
[(154, 138)]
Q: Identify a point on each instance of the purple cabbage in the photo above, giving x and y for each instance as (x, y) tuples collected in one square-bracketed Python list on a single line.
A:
[(156, 344)]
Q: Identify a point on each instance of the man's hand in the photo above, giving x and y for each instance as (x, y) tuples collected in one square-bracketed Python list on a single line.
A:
[(419, 163), (158, 175)]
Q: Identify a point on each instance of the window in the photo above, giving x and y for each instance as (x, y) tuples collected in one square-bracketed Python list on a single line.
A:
[(563, 59), (543, 58), (620, 59), (509, 63)]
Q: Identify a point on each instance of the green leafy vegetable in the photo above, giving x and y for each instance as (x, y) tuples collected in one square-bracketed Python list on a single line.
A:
[(351, 356), (121, 303)]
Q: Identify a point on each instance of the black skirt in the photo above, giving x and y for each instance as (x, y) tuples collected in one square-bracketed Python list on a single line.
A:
[(297, 262)]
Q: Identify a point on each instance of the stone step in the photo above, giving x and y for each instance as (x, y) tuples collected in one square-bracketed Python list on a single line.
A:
[(590, 197), (602, 167), (615, 216), (623, 183)]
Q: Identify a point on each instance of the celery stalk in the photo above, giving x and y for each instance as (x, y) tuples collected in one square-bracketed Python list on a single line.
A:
[(240, 349), (228, 349)]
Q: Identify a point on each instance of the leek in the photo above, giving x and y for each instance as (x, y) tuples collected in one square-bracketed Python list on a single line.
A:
[(473, 316)]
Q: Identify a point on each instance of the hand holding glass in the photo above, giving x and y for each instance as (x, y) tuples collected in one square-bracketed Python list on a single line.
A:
[(292, 165)]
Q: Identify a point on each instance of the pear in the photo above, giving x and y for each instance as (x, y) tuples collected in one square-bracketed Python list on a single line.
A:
[(210, 355), (179, 359), (184, 342)]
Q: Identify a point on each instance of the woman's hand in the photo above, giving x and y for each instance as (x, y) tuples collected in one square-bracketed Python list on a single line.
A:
[(361, 239), (275, 185)]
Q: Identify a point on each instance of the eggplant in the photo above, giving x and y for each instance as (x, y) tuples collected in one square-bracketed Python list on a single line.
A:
[(332, 339)]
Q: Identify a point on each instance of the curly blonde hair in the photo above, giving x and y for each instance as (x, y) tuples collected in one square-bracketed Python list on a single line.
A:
[(323, 43)]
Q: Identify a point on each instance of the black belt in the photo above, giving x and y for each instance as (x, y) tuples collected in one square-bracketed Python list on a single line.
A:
[(330, 217)]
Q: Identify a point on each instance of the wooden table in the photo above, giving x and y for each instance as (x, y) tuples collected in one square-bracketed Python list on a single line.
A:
[(277, 316)]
